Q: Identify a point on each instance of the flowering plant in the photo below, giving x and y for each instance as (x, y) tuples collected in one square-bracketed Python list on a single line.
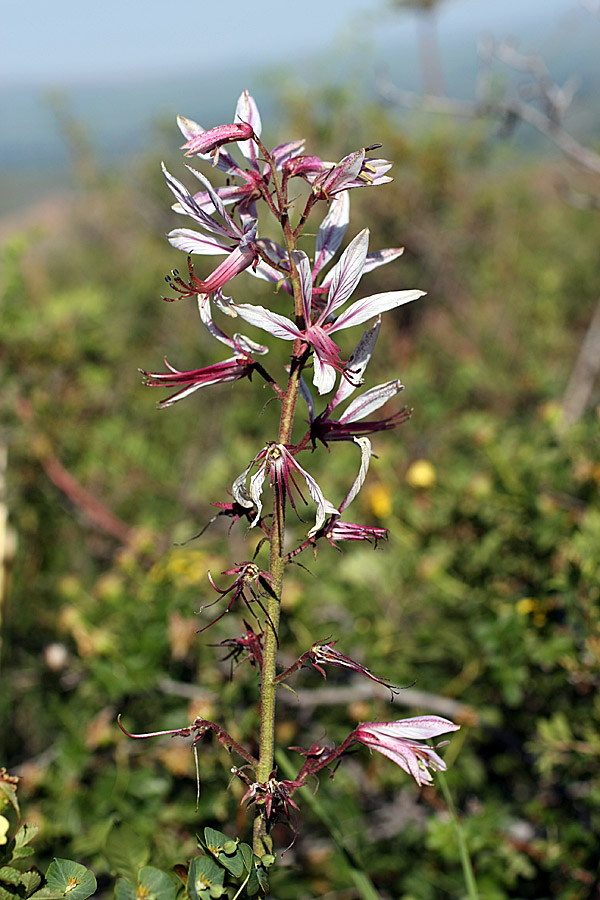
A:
[(311, 307)]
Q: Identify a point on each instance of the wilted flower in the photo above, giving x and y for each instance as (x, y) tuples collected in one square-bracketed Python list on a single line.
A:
[(400, 742), (323, 653), (229, 370), (277, 461), (249, 646), (250, 584)]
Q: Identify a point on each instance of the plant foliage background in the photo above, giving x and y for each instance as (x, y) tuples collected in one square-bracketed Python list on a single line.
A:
[(486, 595)]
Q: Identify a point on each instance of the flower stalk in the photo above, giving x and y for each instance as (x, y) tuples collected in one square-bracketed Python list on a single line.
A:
[(313, 305)]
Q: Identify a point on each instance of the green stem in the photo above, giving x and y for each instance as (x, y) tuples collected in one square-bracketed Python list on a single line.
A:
[(277, 560), (465, 859)]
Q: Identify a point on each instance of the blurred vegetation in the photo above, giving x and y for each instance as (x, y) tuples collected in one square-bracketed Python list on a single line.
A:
[(486, 595)]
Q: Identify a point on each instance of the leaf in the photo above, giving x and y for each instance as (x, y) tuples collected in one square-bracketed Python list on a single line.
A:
[(224, 850), (47, 893), (204, 873), (126, 851), (7, 895), (9, 875), (214, 840), (233, 863), (31, 880), (73, 879), (24, 835), (123, 890), (154, 884), (253, 885)]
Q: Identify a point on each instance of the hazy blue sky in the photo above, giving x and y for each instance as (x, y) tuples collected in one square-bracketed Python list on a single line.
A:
[(58, 42)]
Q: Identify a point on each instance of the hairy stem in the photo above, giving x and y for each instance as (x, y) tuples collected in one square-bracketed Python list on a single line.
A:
[(277, 559)]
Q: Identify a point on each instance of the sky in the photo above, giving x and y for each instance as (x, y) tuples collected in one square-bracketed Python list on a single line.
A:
[(64, 42)]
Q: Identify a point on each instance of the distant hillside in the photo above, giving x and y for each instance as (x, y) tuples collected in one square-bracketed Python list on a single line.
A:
[(122, 119)]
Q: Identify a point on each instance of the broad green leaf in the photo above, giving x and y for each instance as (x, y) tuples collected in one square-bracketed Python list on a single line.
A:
[(123, 890), (126, 851), (248, 856), (233, 864), (154, 884), (253, 885), (263, 880), (204, 873), (215, 840), (72, 878), (224, 850)]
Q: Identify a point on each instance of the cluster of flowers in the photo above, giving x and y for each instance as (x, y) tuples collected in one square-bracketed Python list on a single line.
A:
[(321, 309)]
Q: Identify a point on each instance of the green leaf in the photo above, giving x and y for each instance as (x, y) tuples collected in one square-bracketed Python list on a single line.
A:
[(215, 840), (126, 851), (73, 879), (47, 893), (253, 886), (24, 835), (263, 880), (224, 850), (9, 875), (7, 895), (154, 884), (233, 864), (31, 880), (203, 874), (248, 856), (123, 890)]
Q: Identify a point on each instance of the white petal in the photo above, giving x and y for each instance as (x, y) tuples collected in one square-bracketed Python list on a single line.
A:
[(358, 363), (365, 459), (277, 325), (365, 309), (332, 230), (324, 376), (346, 273), (371, 400), (191, 241)]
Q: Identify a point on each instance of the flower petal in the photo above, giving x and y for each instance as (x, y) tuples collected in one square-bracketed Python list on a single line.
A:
[(332, 230), (371, 400), (371, 306), (278, 326), (346, 273)]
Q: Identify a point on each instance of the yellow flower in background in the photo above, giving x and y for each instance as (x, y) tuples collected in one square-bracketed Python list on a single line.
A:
[(379, 500), (421, 474), (526, 606), (4, 826)]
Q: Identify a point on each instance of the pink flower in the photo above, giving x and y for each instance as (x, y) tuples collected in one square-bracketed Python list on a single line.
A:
[(329, 179), (317, 331), (240, 256), (400, 742), (249, 179)]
